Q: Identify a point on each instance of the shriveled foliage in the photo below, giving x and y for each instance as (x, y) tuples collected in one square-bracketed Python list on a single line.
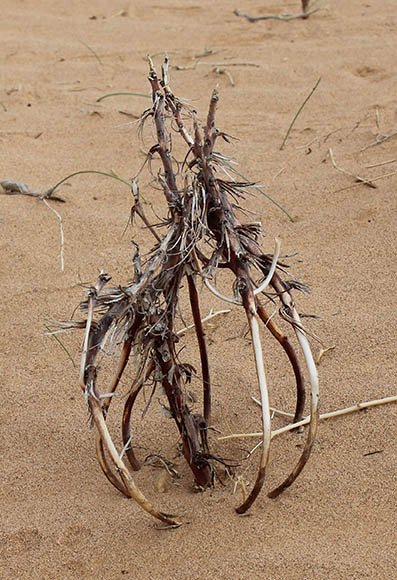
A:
[(199, 236)]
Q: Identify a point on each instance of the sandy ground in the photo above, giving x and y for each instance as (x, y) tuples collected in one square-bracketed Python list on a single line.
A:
[(60, 518)]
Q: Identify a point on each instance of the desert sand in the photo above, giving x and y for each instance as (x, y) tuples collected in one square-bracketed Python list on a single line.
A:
[(60, 518)]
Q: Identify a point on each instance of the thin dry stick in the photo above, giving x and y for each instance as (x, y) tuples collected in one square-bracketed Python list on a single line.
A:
[(274, 410), (262, 287), (346, 411), (209, 316), (356, 177), (306, 12), (372, 180), (242, 63), (381, 163), (215, 65), (306, 145), (306, 420), (298, 113), (379, 139), (12, 187)]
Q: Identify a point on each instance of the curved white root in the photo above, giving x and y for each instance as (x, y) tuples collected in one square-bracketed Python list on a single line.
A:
[(260, 371), (216, 293), (128, 482), (273, 267), (260, 288), (266, 420)]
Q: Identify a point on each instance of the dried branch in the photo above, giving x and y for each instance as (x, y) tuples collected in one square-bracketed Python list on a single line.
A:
[(306, 420), (356, 177), (307, 10)]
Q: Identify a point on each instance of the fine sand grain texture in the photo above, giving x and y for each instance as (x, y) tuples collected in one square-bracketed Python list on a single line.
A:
[(60, 518)]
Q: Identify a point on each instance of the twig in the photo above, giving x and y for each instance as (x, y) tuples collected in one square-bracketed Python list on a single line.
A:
[(282, 17), (372, 180), (242, 63), (306, 144), (215, 65), (203, 320), (379, 139), (356, 177), (216, 293), (12, 187), (322, 417), (298, 113), (306, 12), (283, 340), (381, 163), (273, 409), (279, 172), (101, 281)]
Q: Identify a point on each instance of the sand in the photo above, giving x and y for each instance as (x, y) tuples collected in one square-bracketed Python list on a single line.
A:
[(60, 518)]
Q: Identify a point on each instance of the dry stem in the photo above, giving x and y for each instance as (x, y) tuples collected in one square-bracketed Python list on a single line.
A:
[(306, 12), (357, 177), (306, 420)]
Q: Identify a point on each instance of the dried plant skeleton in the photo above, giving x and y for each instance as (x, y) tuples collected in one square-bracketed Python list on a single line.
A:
[(199, 235)]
